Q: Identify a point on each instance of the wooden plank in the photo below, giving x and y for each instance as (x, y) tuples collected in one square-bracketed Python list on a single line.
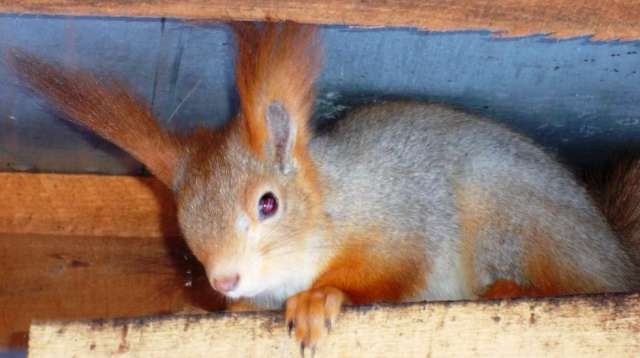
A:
[(597, 326), (55, 204), (74, 277), (563, 18)]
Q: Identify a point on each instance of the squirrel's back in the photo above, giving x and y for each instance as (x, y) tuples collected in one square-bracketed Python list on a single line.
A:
[(485, 201), (398, 152)]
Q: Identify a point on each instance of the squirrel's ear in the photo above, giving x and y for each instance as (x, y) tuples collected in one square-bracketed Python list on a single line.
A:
[(276, 67), (282, 134), (105, 107)]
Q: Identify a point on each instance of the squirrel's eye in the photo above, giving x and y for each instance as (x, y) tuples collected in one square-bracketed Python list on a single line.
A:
[(268, 205)]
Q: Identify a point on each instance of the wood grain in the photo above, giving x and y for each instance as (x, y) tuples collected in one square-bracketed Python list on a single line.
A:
[(604, 19), (76, 277), (56, 204), (596, 326)]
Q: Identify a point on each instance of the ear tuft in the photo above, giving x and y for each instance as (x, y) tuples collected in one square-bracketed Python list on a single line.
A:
[(275, 70), (105, 107)]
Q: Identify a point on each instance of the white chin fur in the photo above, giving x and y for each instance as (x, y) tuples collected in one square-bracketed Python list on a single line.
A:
[(272, 291), (276, 288)]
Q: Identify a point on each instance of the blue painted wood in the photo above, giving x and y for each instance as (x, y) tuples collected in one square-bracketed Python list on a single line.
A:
[(576, 97)]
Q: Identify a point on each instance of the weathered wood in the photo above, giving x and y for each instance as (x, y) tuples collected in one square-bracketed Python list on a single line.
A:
[(596, 326), (562, 18), (55, 204), (73, 277)]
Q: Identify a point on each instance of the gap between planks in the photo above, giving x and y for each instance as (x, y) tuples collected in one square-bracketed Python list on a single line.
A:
[(605, 20), (581, 326)]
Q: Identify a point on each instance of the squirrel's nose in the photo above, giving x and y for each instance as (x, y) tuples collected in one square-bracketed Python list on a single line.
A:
[(226, 283)]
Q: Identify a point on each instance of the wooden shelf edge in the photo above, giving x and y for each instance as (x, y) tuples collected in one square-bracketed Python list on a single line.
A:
[(83, 277), (586, 326), (85, 205), (603, 20)]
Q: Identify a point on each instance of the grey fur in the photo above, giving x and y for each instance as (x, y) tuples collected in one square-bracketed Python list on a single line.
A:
[(402, 164)]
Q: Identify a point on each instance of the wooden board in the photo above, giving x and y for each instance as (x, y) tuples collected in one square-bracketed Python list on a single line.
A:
[(562, 18), (76, 277), (55, 204), (598, 326)]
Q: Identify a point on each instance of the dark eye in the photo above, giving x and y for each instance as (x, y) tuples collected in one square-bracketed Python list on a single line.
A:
[(268, 205)]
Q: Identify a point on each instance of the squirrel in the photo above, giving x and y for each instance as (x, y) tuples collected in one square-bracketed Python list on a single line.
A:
[(397, 202)]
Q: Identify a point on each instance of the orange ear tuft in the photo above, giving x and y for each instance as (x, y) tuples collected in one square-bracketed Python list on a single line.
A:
[(277, 63), (105, 107)]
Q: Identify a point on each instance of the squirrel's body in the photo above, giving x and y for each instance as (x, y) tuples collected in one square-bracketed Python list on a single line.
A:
[(471, 200), (397, 202), (482, 199)]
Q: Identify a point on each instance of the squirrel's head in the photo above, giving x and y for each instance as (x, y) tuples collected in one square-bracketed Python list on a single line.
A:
[(248, 218), (247, 195), (248, 200)]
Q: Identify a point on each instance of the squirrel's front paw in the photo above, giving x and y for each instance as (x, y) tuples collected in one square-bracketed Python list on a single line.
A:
[(312, 313)]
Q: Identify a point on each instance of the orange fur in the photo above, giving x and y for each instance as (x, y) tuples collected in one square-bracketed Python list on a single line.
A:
[(276, 63), (368, 274), (313, 313), (104, 106), (547, 277), (204, 147), (503, 289), (553, 276)]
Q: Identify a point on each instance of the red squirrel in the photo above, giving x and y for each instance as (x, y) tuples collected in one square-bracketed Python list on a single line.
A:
[(397, 202)]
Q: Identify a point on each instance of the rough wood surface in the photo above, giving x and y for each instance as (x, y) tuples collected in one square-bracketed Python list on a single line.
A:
[(563, 18), (597, 326), (74, 277), (57, 204)]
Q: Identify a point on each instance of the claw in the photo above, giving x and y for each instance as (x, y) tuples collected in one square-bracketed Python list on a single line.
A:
[(312, 315)]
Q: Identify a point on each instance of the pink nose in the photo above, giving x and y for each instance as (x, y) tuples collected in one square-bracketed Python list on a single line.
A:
[(226, 283)]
